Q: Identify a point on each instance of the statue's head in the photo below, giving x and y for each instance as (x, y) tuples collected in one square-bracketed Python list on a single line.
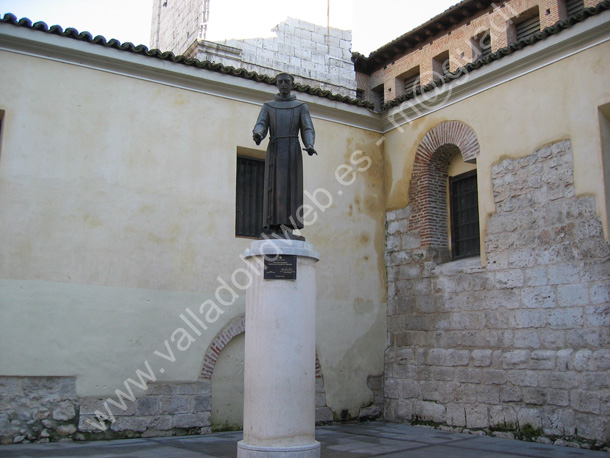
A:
[(284, 82)]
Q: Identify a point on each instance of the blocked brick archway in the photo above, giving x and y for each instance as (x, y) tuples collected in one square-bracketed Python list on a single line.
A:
[(237, 327), (428, 189), (451, 132), (230, 331)]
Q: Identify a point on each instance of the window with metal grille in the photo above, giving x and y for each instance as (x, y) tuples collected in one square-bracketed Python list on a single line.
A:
[(249, 197), (412, 81), (574, 7), (481, 45), (464, 208), (527, 27), (440, 65)]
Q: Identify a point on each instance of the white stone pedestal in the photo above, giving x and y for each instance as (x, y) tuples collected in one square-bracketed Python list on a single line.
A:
[(279, 371)]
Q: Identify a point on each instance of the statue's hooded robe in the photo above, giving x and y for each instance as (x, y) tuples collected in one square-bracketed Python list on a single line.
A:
[(283, 195)]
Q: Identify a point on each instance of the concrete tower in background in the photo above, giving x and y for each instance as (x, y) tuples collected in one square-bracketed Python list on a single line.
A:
[(316, 55)]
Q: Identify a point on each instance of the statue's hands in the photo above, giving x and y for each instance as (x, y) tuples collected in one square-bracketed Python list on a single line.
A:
[(258, 138), (310, 150)]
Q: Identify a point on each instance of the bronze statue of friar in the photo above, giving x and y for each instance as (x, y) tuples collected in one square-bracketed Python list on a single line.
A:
[(283, 118)]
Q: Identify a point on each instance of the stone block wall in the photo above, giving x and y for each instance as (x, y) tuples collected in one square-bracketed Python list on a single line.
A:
[(318, 56), (519, 348), (38, 409), (166, 409), (48, 409), (175, 24)]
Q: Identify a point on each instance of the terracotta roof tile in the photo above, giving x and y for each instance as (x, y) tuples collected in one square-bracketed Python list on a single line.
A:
[(500, 53), (170, 56)]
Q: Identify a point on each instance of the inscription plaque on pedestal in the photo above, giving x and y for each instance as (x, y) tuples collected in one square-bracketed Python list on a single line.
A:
[(284, 267)]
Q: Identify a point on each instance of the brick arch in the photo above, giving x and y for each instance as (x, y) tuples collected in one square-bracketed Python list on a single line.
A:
[(428, 189), (229, 332), (452, 132)]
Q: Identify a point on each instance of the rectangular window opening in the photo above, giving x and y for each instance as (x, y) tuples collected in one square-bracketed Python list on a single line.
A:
[(249, 196), (464, 208), (528, 25), (574, 7), (481, 45), (440, 65), (411, 80), (378, 97)]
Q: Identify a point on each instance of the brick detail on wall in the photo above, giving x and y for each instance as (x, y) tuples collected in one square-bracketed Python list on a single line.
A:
[(428, 189), (233, 329), (519, 348), (451, 132), (237, 327), (498, 21)]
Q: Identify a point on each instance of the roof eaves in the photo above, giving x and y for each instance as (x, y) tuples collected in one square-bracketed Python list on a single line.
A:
[(500, 53), (143, 50), (418, 36)]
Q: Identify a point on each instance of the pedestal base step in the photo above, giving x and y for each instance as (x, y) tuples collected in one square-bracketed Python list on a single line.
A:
[(300, 451)]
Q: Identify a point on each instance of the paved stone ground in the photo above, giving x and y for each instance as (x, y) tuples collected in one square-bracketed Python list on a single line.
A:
[(389, 440)]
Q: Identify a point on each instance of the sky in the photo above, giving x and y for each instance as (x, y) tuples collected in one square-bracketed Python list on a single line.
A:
[(373, 22)]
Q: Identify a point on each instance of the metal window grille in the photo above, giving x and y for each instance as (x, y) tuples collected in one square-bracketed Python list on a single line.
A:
[(464, 208), (441, 65), (574, 7), (412, 82), (249, 197), (482, 45), (527, 28)]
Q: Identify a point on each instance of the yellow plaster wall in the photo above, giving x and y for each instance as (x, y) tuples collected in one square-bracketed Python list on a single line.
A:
[(557, 102), (117, 207)]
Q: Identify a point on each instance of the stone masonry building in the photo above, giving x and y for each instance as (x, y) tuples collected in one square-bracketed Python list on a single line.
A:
[(319, 56), (461, 197)]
